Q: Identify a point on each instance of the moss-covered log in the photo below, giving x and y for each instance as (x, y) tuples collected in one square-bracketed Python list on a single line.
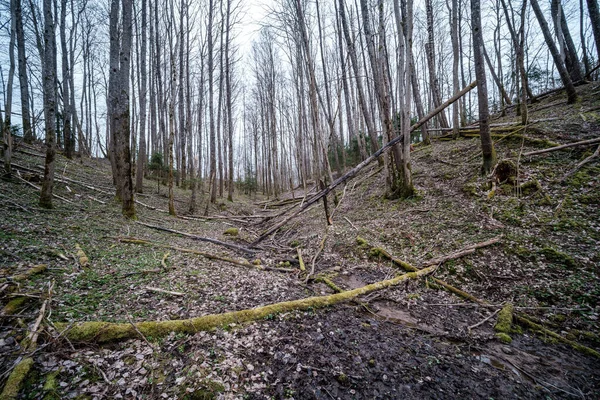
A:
[(106, 331), (82, 257), (16, 379), (14, 305), (38, 269)]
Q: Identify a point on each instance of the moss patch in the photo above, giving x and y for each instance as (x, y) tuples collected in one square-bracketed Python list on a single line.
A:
[(231, 232), (558, 257), (503, 337), (505, 319), (16, 379), (14, 306)]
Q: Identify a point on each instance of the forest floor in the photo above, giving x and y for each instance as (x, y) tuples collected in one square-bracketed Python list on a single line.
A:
[(410, 341)]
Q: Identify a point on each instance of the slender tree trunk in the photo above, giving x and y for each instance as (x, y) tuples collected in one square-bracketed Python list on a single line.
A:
[(142, 157), (560, 66), (594, 12), (23, 78), (66, 97), (568, 48), (49, 79), (431, 66), (211, 111), (487, 146), (7, 126)]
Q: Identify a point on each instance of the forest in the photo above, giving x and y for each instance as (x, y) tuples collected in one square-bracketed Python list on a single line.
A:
[(300, 199)]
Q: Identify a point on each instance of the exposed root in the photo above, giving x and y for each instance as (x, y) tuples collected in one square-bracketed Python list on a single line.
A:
[(38, 269), (106, 331)]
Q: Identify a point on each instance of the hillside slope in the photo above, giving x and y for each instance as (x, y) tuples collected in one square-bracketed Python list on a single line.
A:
[(413, 340)]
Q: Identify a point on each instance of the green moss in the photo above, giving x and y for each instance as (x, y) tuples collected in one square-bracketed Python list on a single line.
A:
[(505, 319), (530, 187), (38, 269), (503, 337), (256, 262), (361, 242), (342, 378), (231, 232), (209, 391), (294, 243), (558, 257), (51, 386), (470, 189), (16, 379), (591, 198), (14, 306)]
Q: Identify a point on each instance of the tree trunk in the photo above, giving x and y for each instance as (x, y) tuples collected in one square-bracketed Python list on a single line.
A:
[(23, 78), (487, 146), (570, 51), (120, 54), (211, 111), (433, 79), (49, 78), (560, 66), (142, 157), (66, 97), (594, 12)]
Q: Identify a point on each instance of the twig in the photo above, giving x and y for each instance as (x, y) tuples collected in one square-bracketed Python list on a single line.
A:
[(350, 222), (564, 146), (581, 164), (202, 239), (319, 250), (153, 289), (483, 321), (138, 331)]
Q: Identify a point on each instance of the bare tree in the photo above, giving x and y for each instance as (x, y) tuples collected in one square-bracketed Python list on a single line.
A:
[(487, 146), (23, 78), (141, 159), (49, 77), (560, 66), (119, 116)]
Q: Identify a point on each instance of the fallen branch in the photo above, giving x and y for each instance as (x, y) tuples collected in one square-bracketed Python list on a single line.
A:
[(564, 146), (319, 250), (461, 253), (483, 321), (581, 164), (158, 290), (39, 188), (106, 331), (354, 171), (200, 238), (522, 318), (243, 263)]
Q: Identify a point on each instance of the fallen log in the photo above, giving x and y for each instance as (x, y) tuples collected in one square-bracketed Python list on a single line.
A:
[(564, 146), (354, 171), (581, 164), (102, 332), (200, 238)]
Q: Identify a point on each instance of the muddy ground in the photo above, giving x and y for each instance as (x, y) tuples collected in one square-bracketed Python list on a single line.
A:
[(412, 341)]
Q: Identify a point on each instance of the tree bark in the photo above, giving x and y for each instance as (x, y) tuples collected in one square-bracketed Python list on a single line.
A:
[(142, 156), (594, 12), (487, 146), (49, 76), (23, 78), (560, 66)]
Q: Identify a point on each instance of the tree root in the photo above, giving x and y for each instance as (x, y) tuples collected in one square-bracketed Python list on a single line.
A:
[(105, 331), (523, 319)]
